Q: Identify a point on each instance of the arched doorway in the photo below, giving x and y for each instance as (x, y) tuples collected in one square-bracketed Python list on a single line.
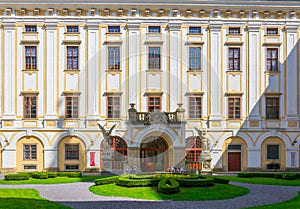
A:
[(235, 157), (29, 154), (120, 153), (154, 155), (193, 153), (71, 154)]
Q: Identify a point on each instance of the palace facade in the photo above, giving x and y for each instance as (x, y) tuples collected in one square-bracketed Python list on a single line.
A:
[(156, 69)]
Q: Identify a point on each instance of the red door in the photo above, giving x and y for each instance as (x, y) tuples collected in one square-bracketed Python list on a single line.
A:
[(234, 161)]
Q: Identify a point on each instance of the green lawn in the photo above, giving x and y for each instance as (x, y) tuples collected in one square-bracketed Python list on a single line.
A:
[(266, 181), (57, 180), (217, 192), (25, 199), (290, 204)]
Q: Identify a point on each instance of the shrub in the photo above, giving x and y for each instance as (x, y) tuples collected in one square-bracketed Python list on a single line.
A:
[(289, 176), (196, 182), (278, 175), (263, 175), (124, 181), (74, 174), (20, 176), (108, 180), (52, 174), (220, 180), (168, 186), (38, 175), (245, 175)]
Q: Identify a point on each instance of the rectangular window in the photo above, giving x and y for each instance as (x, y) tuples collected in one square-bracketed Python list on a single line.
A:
[(195, 30), (30, 28), (72, 151), (234, 147), (114, 29), (272, 151), (272, 31), (234, 107), (72, 28), (234, 59), (234, 30), (272, 59), (194, 58), (154, 29), (30, 57), (272, 108), (195, 107), (113, 107), (72, 107), (113, 58), (29, 152), (72, 58), (154, 58), (154, 103), (30, 107)]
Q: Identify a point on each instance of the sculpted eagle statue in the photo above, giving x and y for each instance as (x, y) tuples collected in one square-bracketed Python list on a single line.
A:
[(106, 134)]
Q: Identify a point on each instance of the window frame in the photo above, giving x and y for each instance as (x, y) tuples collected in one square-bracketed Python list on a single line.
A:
[(30, 106), (154, 57), (235, 108), (115, 60), (112, 107), (154, 106), (72, 57), (72, 151), (195, 30), (269, 31), (111, 29), (30, 151), (267, 152), (195, 110), (73, 28), (30, 27), (195, 59), (31, 57), (232, 29), (72, 114), (270, 68), (268, 116), (233, 59), (154, 29)]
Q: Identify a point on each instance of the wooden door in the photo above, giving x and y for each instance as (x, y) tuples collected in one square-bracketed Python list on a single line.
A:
[(234, 161)]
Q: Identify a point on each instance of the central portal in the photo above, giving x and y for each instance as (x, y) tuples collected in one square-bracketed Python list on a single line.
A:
[(154, 155)]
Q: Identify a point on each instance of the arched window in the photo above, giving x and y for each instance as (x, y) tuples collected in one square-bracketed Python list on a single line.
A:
[(192, 153), (120, 152)]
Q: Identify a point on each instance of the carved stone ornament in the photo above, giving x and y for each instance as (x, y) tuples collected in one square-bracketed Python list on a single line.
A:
[(156, 118)]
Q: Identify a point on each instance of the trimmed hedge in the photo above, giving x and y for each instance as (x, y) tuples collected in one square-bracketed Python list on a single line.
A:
[(168, 186), (263, 175), (69, 174), (108, 180), (19, 176), (245, 175), (196, 182), (220, 180), (124, 181), (52, 174), (289, 176), (278, 175), (38, 175)]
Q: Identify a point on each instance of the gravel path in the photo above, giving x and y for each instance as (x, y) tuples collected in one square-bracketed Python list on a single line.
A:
[(77, 195)]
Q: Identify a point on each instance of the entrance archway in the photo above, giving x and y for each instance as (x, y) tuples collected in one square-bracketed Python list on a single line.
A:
[(193, 148), (120, 153), (154, 155), (29, 154)]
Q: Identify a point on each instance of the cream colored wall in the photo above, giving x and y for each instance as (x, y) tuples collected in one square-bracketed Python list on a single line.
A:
[(20, 162), (61, 153), (282, 153), (244, 154), (0, 157)]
